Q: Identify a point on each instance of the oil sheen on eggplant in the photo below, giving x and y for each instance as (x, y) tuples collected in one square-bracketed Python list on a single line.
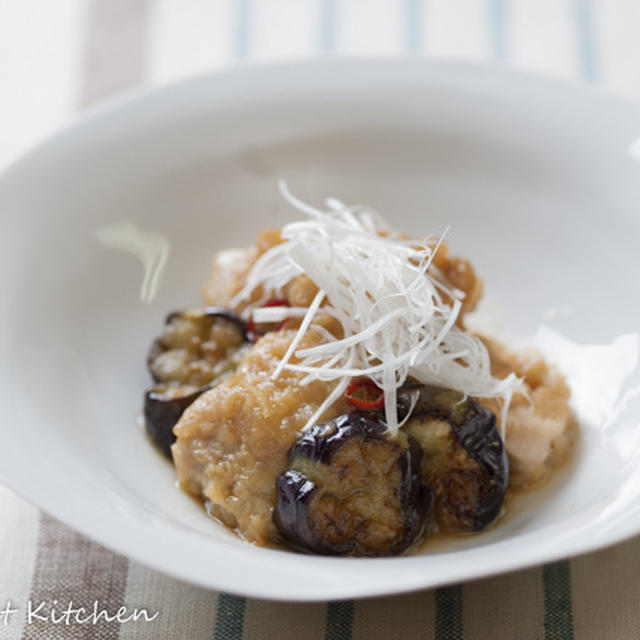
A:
[(197, 349), (464, 460), (163, 406), (352, 490)]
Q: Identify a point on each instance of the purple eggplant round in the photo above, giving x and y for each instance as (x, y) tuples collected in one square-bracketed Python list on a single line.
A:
[(350, 489), (464, 460), (163, 406), (198, 348)]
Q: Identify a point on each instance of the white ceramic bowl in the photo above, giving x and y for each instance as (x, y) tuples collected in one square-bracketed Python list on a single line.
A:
[(535, 179)]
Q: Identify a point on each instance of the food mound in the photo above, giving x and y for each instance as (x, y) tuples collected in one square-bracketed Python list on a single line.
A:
[(329, 397)]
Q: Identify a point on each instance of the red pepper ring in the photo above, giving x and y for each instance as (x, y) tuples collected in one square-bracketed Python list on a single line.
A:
[(252, 330), (363, 403)]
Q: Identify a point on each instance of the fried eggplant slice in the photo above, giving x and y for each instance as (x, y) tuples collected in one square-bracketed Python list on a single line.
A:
[(198, 348), (352, 490), (163, 406), (464, 460)]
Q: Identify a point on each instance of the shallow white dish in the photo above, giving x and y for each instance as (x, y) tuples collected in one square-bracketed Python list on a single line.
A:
[(535, 179)]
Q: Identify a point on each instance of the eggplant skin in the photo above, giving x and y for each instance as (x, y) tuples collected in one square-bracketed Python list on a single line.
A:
[(191, 356), (163, 406), (466, 466), (351, 490), (319, 443), (295, 494), (184, 358)]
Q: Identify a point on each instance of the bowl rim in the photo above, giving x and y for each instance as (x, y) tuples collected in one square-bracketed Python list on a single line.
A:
[(264, 560)]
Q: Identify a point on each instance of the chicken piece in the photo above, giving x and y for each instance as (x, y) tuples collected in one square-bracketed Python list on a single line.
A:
[(457, 273), (229, 270), (540, 428), (230, 267), (232, 442)]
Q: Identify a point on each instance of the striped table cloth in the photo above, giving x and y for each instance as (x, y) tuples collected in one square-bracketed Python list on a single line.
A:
[(58, 57)]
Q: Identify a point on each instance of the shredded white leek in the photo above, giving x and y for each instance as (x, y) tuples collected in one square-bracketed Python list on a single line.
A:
[(389, 299)]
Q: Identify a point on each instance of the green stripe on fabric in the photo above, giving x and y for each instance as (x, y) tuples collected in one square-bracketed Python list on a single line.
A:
[(558, 610), (449, 613), (585, 39), (230, 617), (498, 28), (327, 24), (339, 620), (242, 37), (413, 25)]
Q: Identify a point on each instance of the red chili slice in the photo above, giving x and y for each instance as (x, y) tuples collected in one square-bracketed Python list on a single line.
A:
[(253, 334), (362, 403)]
